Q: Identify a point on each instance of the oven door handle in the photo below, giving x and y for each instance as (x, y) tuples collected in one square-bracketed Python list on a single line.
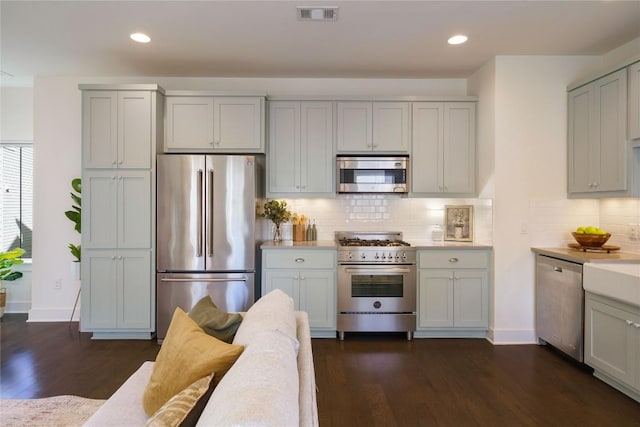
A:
[(377, 270)]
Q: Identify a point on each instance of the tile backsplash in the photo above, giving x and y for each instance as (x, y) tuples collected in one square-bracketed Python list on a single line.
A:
[(552, 221), (414, 217)]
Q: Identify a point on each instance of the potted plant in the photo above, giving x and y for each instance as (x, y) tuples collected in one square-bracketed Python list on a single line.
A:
[(75, 215), (278, 212), (7, 261)]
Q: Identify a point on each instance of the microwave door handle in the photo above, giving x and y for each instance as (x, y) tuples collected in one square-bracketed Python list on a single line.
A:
[(210, 216), (199, 214)]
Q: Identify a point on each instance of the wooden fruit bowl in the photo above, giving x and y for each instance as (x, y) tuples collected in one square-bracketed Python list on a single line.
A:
[(591, 240)]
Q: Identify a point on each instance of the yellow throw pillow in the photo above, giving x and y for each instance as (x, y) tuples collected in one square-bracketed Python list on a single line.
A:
[(187, 354), (184, 408)]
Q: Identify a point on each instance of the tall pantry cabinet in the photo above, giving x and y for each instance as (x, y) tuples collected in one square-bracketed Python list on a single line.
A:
[(122, 129)]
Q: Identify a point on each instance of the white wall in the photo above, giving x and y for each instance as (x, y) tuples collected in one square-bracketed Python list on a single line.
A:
[(16, 114), (57, 110), (16, 125), (56, 163), (530, 163)]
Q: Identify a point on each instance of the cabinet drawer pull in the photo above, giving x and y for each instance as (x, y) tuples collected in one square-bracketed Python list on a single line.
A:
[(453, 260), (299, 260), (636, 325), (629, 322)]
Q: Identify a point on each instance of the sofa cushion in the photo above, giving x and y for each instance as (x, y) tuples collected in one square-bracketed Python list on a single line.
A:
[(124, 407), (184, 409), (187, 354), (261, 389), (274, 311), (215, 322)]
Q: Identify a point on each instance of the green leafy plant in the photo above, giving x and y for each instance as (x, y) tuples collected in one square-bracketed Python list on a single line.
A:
[(7, 261), (277, 211), (75, 214)]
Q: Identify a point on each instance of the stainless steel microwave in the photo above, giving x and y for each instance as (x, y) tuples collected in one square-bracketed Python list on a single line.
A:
[(372, 174)]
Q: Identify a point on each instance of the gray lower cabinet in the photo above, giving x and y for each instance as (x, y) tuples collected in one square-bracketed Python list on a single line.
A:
[(453, 293), (612, 343), (309, 277), (118, 297)]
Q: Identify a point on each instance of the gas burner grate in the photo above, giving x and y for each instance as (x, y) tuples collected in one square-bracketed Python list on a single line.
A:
[(372, 242)]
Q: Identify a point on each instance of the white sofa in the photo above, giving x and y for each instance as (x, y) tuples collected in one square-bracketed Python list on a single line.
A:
[(262, 388)]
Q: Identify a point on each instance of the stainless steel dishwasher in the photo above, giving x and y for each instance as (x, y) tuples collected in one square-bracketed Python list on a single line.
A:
[(560, 305)]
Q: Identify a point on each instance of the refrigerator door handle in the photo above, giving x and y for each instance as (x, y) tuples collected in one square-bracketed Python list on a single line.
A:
[(199, 178), (230, 279), (210, 216)]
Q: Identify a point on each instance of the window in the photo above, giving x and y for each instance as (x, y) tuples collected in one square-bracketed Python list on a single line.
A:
[(16, 187)]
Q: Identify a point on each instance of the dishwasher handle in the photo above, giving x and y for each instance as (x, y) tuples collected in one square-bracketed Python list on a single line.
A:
[(558, 269)]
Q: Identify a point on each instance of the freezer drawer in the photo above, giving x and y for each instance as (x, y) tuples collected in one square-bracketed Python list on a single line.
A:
[(560, 305), (229, 292)]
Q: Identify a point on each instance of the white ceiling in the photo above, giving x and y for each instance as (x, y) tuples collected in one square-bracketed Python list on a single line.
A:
[(396, 39)]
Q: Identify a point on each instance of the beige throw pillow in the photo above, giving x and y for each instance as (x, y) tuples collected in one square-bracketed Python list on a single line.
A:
[(187, 354), (214, 321), (184, 409)]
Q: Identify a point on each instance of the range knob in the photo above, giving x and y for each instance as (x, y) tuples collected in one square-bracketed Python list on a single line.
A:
[(350, 257), (398, 257), (404, 256), (363, 256), (377, 256)]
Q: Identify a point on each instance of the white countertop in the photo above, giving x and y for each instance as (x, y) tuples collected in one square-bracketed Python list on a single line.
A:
[(618, 281), (447, 244)]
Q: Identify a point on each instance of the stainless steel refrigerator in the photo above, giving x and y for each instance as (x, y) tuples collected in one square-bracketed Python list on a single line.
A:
[(205, 232)]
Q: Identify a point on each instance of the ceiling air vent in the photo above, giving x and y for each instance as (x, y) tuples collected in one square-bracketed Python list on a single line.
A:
[(317, 13)]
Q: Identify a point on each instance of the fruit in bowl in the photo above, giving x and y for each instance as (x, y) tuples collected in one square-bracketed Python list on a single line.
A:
[(590, 236)]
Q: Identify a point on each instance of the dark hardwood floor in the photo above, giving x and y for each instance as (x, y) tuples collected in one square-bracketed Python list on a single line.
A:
[(366, 380)]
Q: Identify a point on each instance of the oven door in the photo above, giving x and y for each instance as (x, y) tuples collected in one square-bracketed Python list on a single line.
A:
[(377, 289)]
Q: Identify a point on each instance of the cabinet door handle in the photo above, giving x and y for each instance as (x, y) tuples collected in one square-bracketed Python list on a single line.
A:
[(302, 278), (298, 260), (453, 260), (457, 277), (451, 277)]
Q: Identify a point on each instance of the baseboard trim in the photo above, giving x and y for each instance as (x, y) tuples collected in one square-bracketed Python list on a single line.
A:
[(52, 314), (512, 336)]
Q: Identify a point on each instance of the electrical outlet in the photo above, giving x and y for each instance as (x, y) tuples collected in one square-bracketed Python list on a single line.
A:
[(57, 284), (634, 233)]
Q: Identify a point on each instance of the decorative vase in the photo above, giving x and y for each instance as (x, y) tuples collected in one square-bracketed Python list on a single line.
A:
[(75, 270), (277, 232)]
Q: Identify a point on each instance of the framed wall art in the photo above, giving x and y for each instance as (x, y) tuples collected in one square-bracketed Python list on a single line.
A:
[(459, 223)]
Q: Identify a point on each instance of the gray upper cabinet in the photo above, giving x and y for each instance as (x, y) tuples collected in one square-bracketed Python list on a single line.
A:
[(230, 124), (598, 152), (301, 149), (116, 129), (443, 148), (634, 100), (365, 127)]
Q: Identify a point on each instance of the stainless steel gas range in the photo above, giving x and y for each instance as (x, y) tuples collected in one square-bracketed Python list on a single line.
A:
[(376, 283)]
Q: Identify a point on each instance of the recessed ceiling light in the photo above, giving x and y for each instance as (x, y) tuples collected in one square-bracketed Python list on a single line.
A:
[(140, 37), (457, 39)]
